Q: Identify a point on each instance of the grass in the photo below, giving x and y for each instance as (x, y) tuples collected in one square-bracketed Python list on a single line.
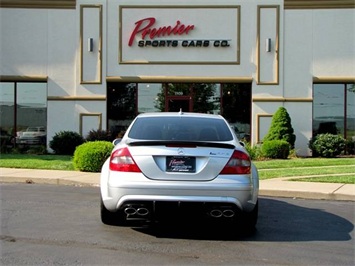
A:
[(305, 171), (343, 179), (50, 162), (334, 170), (328, 170), (304, 162)]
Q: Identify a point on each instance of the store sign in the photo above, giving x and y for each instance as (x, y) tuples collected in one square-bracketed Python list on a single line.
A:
[(150, 35), (187, 35)]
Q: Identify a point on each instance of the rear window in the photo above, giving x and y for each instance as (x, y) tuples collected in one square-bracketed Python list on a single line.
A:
[(180, 128)]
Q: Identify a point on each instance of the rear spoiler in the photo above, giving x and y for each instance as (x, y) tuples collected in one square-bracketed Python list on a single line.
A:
[(179, 143)]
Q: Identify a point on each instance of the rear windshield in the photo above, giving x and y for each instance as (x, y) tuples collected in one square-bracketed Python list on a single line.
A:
[(180, 128)]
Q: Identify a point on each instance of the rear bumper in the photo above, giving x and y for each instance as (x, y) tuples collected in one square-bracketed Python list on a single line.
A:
[(220, 191), (31, 140)]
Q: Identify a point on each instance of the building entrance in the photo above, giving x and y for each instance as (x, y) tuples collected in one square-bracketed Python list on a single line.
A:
[(175, 104), (231, 100)]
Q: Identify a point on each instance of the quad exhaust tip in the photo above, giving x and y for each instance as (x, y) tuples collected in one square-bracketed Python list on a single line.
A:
[(141, 211), (217, 213)]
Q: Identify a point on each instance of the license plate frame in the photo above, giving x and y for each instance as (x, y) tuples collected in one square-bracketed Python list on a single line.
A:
[(180, 164)]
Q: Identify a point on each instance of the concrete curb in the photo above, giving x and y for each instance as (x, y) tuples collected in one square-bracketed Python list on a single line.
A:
[(278, 187)]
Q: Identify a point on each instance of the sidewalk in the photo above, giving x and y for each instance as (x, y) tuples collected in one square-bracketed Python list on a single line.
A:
[(278, 187)]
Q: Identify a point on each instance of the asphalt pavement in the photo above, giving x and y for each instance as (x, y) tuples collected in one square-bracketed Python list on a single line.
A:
[(276, 187)]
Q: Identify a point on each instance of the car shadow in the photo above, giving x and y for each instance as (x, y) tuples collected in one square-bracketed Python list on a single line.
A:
[(278, 221)]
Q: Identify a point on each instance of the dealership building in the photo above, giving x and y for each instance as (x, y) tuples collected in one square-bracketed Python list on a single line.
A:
[(82, 65)]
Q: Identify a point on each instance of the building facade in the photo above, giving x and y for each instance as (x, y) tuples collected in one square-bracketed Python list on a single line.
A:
[(82, 65)]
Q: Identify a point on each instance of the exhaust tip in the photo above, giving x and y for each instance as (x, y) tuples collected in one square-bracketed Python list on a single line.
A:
[(228, 213), (216, 213), (142, 211), (130, 211)]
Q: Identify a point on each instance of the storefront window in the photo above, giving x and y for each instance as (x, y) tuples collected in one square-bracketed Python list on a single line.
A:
[(178, 89), (121, 106), (236, 102), (189, 97), (350, 112), (7, 114), (332, 103), (148, 94), (31, 105), (207, 98), (126, 100), (28, 121)]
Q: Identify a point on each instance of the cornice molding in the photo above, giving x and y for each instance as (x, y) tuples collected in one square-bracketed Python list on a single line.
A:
[(56, 4), (158, 79), (333, 79), (281, 99), (23, 78), (71, 4), (318, 4), (77, 98)]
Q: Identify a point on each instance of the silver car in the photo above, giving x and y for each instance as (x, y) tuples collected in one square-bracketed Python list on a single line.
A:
[(179, 165)]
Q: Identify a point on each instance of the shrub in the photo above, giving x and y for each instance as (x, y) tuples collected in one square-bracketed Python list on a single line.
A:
[(94, 135), (254, 151), (281, 128), (326, 145), (90, 156), (39, 150), (350, 147), (276, 149), (65, 142)]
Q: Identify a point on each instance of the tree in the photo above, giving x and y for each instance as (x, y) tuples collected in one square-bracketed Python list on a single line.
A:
[(281, 128)]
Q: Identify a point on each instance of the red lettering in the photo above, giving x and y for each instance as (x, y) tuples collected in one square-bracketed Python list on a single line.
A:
[(138, 28), (144, 26)]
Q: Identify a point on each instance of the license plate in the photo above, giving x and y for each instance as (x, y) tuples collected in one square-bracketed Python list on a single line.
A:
[(180, 164)]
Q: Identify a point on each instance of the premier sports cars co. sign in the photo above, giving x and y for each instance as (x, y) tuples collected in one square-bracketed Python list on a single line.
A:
[(149, 34), (179, 35)]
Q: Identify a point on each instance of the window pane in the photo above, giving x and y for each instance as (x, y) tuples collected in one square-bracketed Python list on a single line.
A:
[(206, 98), (7, 99), (328, 109), (350, 109), (31, 113), (178, 89), (121, 106), (148, 94), (237, 108)]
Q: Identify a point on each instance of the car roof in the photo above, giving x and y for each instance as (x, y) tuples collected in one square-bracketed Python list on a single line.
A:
[(177, 114)]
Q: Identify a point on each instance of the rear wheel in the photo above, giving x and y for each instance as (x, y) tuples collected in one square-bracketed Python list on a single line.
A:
[(111, 218), (250, 219)]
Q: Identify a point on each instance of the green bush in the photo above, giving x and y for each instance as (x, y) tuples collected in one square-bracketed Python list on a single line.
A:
[(65, 142), (350, 147), (276, 149), (281, 128), (254, 151), (39, 150), (90, 156), (327, 145), (95, 135)]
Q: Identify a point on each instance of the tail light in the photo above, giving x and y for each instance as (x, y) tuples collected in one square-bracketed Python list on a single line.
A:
[(239, 163), (121, 160)]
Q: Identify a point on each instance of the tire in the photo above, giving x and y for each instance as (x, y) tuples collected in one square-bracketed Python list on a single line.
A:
[(250, 219), (110, 218)]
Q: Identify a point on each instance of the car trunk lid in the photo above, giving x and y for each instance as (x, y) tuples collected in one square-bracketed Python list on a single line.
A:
[(192, 161)]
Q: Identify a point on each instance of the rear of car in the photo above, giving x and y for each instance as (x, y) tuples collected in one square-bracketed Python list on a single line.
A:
[(33, 136), (179, 164)]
